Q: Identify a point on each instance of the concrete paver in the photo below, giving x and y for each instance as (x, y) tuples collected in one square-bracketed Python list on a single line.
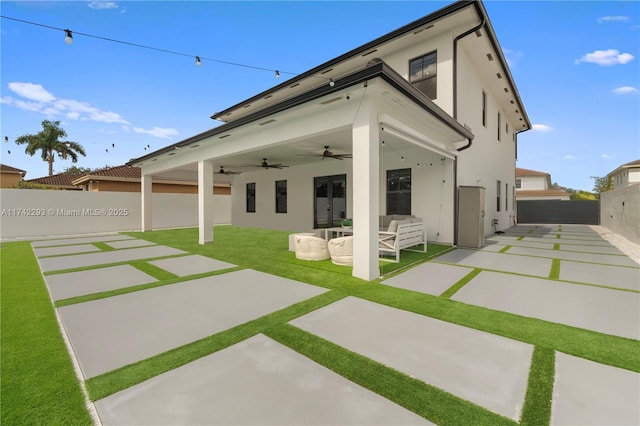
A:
[(101, 258), (593, 308), (609, 259), (56, 251), (129, 243), (498, 261), (513, 241), (430, 278), (588, 393), (600, 249), (609, 275), (72, 284), (483, 368), (80, 240), (255, 382), (190, 265), (119, 330)]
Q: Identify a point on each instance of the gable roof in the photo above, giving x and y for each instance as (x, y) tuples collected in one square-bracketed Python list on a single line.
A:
[(629, 165), (527, 172), (60, 180), (12, 170)]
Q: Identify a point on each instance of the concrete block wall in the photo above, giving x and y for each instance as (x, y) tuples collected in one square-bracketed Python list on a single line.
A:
[(620, 211)]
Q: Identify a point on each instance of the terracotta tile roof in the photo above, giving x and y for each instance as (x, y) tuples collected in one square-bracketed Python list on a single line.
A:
[(60, 179), (8, 169), (119, 171), (527, 172)]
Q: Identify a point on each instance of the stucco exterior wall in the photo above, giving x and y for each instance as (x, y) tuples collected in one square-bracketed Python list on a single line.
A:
[(8, 180), (532, 183), (488, 159), (161, 188), (39, 213), (620, 211)]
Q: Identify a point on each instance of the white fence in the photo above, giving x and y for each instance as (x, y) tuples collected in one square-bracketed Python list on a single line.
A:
[(620, 211), (38, 213)]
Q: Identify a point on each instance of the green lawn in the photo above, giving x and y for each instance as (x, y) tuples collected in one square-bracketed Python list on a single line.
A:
[(33, 354)]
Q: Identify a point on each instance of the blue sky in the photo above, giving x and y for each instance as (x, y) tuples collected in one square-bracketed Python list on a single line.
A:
[(576, 65)]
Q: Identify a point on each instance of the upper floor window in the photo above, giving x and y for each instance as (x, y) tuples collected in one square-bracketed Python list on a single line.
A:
[(281, 196), (498, 189), (518, 183), (484, 108), (499, 124), (423, 73)]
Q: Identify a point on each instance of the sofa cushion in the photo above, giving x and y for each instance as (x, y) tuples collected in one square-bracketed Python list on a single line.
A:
[(309, 247)]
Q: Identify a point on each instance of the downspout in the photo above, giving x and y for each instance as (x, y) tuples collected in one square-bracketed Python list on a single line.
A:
[(455, 115)]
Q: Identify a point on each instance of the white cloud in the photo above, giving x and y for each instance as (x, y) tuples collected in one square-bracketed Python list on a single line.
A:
[(33, 92), (624, 90), (606, 156), (157, 132), (607, 19), (543, 128), (512, 57), (570, 157), (101, 5), (606, 57)]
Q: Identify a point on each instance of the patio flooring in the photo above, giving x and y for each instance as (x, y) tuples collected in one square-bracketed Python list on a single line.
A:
[(60, 250), (80, 283), (80, 240), (110, 333), (256, 381), (190, 265), (483, 368), (588, 393), (498, 261), (430, 278)]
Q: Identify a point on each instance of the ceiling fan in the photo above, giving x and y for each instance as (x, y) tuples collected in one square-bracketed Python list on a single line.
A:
[(224, 172), (328, 154), (266, 165)]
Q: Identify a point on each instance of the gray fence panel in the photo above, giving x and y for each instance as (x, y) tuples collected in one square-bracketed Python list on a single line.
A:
[(559, 211)]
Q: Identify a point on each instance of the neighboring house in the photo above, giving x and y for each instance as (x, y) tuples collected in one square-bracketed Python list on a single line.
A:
[(10, 176), (535, 185), (423, 110), (625, 175), (127, 179), (58, 181)]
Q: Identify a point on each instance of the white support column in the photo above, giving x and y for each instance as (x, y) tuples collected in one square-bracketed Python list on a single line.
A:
[(205, 201), (147, 202), (366, 198)]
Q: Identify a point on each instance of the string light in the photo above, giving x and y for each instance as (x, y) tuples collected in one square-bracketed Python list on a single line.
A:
[(6, 139), (199, 59), (69, 38)]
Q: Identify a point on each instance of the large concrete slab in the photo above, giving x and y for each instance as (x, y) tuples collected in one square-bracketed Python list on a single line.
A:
[(80, 240), (498, 261), (613, 276), (190, 265), (130, 243), (601, 249), (255, 382), (567, 241), (483, 368), (605, 310), (430, 278), (59, 250), (609, 259), (93, 259), (588, 393), (116, 331), (72, 284), (511, 241)]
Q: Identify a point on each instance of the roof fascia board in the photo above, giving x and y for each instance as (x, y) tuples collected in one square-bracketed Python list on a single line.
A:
[(377, 69)]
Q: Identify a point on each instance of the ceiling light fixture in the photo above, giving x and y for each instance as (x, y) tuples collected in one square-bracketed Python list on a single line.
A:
[(69, 38), (331, 82)]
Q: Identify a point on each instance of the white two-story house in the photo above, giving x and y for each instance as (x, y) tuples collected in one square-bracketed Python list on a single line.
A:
[(625, 175), (535, 185), (394, 126)]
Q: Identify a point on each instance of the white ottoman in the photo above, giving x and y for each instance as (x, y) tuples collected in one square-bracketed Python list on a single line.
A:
[(310, 247), (341, 250), (292, 243)]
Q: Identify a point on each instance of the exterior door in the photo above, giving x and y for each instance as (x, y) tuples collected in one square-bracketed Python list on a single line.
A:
[(330, 200)]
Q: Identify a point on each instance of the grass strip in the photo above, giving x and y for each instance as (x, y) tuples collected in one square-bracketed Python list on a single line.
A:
[(504, 249), (520, 238), (457, 286), (103, 246), (127, 376), (39, 385), (554, 273), (537, 404), (421, 398), (125, 290), (153, 270), (556, 246)]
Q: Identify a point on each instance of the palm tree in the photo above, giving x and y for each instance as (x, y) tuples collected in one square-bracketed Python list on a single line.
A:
[(49, 142)]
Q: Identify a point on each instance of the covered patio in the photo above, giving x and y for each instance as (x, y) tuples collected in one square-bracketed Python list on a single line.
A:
[(374, 114)]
